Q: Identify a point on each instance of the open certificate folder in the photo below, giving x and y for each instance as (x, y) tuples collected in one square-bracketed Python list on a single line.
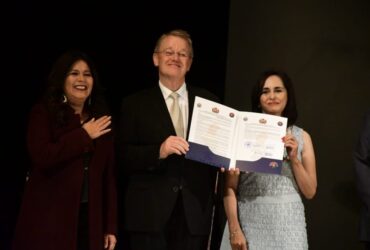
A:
[(224, 137)]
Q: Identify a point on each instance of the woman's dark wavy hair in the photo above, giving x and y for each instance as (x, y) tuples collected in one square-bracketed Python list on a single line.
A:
[(290, 110), (95, 105)]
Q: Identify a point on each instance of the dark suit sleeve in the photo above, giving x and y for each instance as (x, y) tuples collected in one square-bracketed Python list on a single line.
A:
[(134, 152), (362, 163), (219, 218)]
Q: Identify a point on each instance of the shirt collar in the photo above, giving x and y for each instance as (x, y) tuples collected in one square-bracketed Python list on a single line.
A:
[(167, 92)]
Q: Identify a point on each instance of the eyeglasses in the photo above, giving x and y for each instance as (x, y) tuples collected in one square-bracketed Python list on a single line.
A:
[(170, 53)]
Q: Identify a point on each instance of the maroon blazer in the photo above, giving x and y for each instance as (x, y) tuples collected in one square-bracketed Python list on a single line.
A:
[(48, 216)]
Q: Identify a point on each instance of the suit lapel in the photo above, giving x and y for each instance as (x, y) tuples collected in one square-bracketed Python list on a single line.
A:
[(191, 98), (163, 114), (159, 104)]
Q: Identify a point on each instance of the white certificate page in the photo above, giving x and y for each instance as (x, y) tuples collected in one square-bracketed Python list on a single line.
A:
[(260, 136), (214, 125)]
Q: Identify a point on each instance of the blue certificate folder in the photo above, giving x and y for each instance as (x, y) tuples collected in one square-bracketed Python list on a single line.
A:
[(224, 137), (203, 154)]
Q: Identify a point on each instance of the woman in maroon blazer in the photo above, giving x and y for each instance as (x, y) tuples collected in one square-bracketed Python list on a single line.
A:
[(70, 196)]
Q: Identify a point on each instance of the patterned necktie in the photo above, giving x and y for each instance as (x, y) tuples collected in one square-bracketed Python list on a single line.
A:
[(176, 115)]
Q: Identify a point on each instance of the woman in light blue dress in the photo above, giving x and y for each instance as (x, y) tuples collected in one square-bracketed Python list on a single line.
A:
[(265, 211)]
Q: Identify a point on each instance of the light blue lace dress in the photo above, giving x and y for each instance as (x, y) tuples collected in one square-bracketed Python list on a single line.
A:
[(270, 209)]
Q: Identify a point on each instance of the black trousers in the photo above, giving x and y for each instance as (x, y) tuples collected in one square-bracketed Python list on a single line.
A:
[(175, 235), (83, 227)]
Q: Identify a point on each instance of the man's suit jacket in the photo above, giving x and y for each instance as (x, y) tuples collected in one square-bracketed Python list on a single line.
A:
[(362, 170), (153, 185)]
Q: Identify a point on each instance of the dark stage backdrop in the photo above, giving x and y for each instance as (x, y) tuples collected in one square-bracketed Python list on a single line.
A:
[(120, 36), (325, 48)]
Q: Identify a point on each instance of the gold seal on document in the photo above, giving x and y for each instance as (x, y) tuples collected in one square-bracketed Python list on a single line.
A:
[(262, 121)]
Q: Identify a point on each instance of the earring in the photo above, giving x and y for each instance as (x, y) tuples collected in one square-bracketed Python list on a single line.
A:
[(89, 101), (64, 99)]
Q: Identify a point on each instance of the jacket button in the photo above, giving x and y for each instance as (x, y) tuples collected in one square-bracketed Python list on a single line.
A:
[(175, 188)]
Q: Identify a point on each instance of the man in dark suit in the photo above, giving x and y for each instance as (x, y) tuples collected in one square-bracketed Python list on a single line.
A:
[(169, 200), (362, 170)]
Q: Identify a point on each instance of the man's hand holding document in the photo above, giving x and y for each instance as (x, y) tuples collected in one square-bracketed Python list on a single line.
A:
[(224, 137)]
